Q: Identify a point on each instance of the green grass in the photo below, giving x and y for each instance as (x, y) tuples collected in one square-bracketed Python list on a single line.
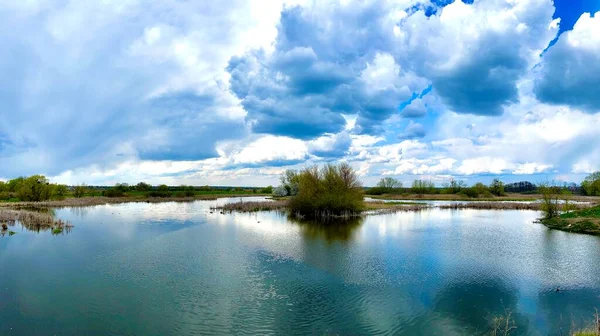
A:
[(580, 221), (593, 212)]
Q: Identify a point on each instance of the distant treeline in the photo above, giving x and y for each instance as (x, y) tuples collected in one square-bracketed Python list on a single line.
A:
[(38, 188), (589, 187), (389, 185)]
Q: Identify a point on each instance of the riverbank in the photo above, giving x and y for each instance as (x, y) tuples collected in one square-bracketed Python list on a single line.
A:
[(581, 221), (102, 200)]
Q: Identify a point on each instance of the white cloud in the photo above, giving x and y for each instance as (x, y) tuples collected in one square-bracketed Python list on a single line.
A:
[(570, 71)]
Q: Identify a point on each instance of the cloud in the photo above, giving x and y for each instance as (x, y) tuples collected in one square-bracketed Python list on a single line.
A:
[(474, 54), (208, 92), (326, 63), (570, 70), (331, 146), (416, 109), (87, 81), (412, 131)]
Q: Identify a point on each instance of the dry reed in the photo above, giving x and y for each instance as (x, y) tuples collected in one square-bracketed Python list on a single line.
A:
[(34, 221), (251, 206), (505, 206)]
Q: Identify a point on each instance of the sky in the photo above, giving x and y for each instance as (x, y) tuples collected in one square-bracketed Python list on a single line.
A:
[(235, 92)]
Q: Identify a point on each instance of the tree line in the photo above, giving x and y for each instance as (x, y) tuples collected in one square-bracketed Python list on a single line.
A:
[(388, 185), (38, 188)]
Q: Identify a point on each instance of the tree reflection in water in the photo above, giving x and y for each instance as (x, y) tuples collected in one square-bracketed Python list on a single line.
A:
[(330, 230)]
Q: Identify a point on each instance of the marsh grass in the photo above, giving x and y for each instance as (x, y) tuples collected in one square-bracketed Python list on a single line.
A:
[(390, 207), (32, 220), (594, 330), (505, 206), (251, 206), (503, 325)]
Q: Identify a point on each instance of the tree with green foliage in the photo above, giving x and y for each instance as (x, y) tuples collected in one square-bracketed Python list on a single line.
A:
[(35, 188), (15, 184), (143, 186), (480, 188), (60, 190), (453, 186), (289, 180), (389, 183), (122, 187), (551, 199), (279, 191), (79, 190), (330, 191), (422, 187), (497, 187), (186, 191), (267, 190), (591, 184)]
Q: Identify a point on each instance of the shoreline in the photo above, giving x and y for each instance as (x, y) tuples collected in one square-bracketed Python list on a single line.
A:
[(454, 197), (585, 221), (103, 200)]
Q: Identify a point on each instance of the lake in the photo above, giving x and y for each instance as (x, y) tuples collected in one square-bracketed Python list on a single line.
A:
[(180, 269)]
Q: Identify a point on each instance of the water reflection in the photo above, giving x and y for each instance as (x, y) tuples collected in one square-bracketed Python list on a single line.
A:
[(331, 230), (474, 304), (172, 269)]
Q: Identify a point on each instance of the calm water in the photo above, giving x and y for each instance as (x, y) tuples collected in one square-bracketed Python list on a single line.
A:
[(177, 269)]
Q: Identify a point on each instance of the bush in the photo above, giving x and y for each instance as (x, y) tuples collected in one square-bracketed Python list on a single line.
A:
[(185, 192), (469, 192), (551, 198), (60, 190), (497, 187), (480, 188), (267, 190), (487, 194), (280, 192), (113, 192), (161, 191), (79, 190), (332, 191), (290, 180), (591, 185), (143, 186), (376, 191)]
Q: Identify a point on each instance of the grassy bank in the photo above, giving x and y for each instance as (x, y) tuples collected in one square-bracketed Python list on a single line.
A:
[(579, 221)]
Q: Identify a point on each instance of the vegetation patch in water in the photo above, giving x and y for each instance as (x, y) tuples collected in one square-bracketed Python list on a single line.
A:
[(332, 191), (31, 220), (251, 206)]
